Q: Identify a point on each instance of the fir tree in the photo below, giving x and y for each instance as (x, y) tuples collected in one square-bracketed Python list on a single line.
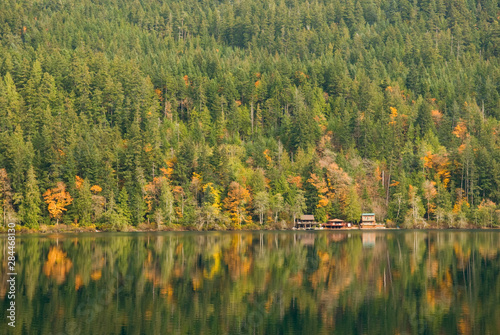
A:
[(30, 206)]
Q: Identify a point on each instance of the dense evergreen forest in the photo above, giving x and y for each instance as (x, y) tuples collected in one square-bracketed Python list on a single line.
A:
[(228, 114)]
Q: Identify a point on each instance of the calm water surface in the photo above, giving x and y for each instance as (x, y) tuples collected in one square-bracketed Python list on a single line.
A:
[(391, 282)]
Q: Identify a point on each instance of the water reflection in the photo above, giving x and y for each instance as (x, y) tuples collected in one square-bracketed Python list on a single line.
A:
[(282, 283)]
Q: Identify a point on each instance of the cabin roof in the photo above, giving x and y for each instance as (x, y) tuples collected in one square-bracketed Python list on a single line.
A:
[(335, 220), (307, 217), (367, 214)]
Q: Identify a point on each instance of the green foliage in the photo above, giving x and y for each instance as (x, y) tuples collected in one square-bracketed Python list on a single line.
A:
[(122, 208), (30, 207), (352, 210), (82, 204)]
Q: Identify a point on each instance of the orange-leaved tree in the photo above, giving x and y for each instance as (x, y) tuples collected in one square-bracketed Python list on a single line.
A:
[(57, 199), (322, 189), (237, 198)]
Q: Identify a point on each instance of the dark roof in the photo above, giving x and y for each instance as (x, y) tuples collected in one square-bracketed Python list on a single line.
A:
[(307, 217)]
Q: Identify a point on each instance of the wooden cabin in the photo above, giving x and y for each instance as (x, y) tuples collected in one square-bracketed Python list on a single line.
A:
[(306, 221), (368, 222), (335, 224)]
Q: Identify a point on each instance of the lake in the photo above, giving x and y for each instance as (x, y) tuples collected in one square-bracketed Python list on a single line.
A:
[(348, 282)]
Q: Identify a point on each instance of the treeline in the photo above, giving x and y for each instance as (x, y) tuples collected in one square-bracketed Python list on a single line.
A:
[(225, 113)]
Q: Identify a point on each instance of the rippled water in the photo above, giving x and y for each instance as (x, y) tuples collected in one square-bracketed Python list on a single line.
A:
[(390, 282)]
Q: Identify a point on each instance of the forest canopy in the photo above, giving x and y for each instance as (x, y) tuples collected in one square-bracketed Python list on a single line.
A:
[(231, 113)]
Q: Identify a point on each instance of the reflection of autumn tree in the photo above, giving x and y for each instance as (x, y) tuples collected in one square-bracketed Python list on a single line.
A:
[(215, 268), (57, 265), (236, 257)]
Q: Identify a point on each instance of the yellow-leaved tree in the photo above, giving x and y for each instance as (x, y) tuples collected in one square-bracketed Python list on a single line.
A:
[(57, 200)]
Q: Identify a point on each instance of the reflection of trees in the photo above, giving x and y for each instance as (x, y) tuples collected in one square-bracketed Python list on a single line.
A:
[(405, 282), (57, 265)]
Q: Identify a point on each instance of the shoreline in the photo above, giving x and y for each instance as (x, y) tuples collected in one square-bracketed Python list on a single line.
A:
[(65, 229)]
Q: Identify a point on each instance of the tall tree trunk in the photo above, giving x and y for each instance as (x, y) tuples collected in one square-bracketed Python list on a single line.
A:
[(251, 114)]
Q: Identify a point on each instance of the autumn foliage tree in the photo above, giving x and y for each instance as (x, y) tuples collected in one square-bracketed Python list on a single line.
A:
[(57, 200), (237, 198)]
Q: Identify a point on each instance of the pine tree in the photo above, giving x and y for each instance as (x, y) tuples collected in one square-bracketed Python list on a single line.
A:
[(122, 208), (352, 208), (83, 202), (167, 201), (30, 206), (6, 210)]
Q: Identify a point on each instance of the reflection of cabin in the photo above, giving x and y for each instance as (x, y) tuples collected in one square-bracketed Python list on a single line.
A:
[(335, 224), (368, 221), (306, 221), (307, 239), (337, 237), (368, 239)]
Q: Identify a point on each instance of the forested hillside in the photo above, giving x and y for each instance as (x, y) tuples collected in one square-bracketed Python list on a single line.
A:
[(222, 113)]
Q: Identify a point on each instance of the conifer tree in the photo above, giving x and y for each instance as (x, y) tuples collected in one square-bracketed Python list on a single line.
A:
[(122, 208), (30, 207), (83, 201)]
